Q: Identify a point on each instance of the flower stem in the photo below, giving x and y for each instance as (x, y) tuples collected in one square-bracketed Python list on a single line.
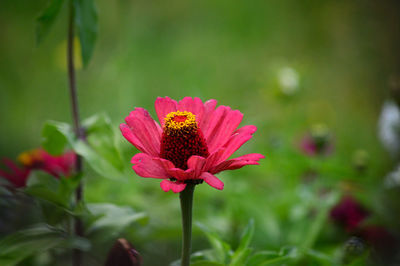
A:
[(78, 228), (186, 198)]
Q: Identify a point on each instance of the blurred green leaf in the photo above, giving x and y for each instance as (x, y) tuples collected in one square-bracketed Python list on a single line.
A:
[(86, 22), (239, 258), (46, 187), (37, 239), (206, 263), (221, 248), (101, 149), (320, 257), (110, 216), (318, 222), (55, 136), (242, 252), (285, 255), (96, 161), (102, 137), (262, 256), (46, 19)]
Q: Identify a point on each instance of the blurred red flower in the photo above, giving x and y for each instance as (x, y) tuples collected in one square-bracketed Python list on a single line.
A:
[(349, 213), (62, 165)]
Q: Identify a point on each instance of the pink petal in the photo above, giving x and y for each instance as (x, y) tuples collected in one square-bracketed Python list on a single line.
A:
[(241, 136), (213, 160), (128, 134), (168, 185), (239, 162), (180, 174), (10, 164), (196, 163), (223, 122), (163, 107), (212, 181), (209, 107), (147, 166), (193, 105), (146, 133)]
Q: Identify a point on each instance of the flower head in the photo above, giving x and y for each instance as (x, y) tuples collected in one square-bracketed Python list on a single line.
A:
[(39, 159), (61, 165), (190, 145), (318, 141), (349, 213)]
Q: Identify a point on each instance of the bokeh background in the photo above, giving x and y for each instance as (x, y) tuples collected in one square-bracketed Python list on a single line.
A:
[(292, 67)]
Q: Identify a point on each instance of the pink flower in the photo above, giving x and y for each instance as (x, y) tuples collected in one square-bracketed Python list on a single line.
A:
[(317, 142), (192, 144), (62, 165), (15, 174), (349, 213)]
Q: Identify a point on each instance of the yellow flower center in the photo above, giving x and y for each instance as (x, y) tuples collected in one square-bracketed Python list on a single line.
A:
[(29, 158), (177, 123)]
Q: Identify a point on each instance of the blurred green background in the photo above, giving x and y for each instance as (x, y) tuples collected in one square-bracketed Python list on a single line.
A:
[(287, 65)]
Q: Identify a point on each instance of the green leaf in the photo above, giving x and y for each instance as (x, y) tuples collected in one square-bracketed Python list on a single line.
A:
[(97, 162), (262, 256), (324, 206), (36, 240), (102, 137), (221, 249), (206, 263), (320, 257), (239, 258), (86, 22), (242, 252), (110, 216), (101, 150), (55, 136), (46, 19), (285, 255), (57, 191), (45, 186)]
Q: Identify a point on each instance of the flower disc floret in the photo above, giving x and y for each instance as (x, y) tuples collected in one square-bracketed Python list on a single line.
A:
[(180, 123), (182, 139)]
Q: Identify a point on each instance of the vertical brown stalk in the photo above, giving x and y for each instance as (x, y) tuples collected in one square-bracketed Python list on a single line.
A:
[(78, 227)]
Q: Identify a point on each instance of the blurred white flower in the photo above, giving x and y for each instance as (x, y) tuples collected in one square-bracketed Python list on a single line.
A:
[(389, 127), (393, 178), (288, 79)]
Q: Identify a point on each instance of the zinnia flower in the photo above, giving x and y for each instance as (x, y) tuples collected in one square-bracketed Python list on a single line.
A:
[(192, 142), (39, 159), (60, 165)]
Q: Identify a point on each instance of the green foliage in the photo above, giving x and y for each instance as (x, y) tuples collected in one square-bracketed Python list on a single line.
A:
[(55, 136), (36, 240), (86, 22), (100, 149), (243, 251), (106, 220), (221, 252), (57, 191), (47, 18), (85, 19), (103, 138)]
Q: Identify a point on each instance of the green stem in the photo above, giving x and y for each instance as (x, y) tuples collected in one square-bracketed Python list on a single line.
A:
[(186, 197)]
